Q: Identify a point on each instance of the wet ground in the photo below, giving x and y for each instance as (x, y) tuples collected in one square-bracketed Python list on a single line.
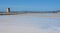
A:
[(30, 23)]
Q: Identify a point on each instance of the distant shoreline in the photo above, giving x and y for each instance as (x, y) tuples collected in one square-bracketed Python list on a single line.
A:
[(14, 13)]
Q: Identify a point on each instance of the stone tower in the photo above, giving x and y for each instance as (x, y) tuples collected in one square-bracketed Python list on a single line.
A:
[(8, 10)]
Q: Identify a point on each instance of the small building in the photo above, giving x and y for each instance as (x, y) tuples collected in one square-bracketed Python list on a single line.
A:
[(8, 10)]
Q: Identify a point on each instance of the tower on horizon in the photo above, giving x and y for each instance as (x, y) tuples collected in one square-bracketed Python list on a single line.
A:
[(8, 10)]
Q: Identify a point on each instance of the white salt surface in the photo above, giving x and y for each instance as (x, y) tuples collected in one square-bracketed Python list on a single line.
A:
[(30, 23)]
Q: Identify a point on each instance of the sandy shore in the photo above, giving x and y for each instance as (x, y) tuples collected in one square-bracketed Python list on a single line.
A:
[(30, 23), (41, 15)]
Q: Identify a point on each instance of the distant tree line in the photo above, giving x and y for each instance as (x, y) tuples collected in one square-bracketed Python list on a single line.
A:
[(35, 11)]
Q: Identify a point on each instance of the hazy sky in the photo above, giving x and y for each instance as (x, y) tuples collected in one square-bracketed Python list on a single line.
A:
[(30, 5)]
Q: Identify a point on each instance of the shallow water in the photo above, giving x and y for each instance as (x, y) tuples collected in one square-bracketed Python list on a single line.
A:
[(29, 23)]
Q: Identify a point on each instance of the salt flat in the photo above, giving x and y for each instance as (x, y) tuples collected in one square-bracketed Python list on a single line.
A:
[(30, 23)]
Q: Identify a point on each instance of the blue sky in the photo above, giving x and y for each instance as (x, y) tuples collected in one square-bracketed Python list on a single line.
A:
[(30, 5)]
